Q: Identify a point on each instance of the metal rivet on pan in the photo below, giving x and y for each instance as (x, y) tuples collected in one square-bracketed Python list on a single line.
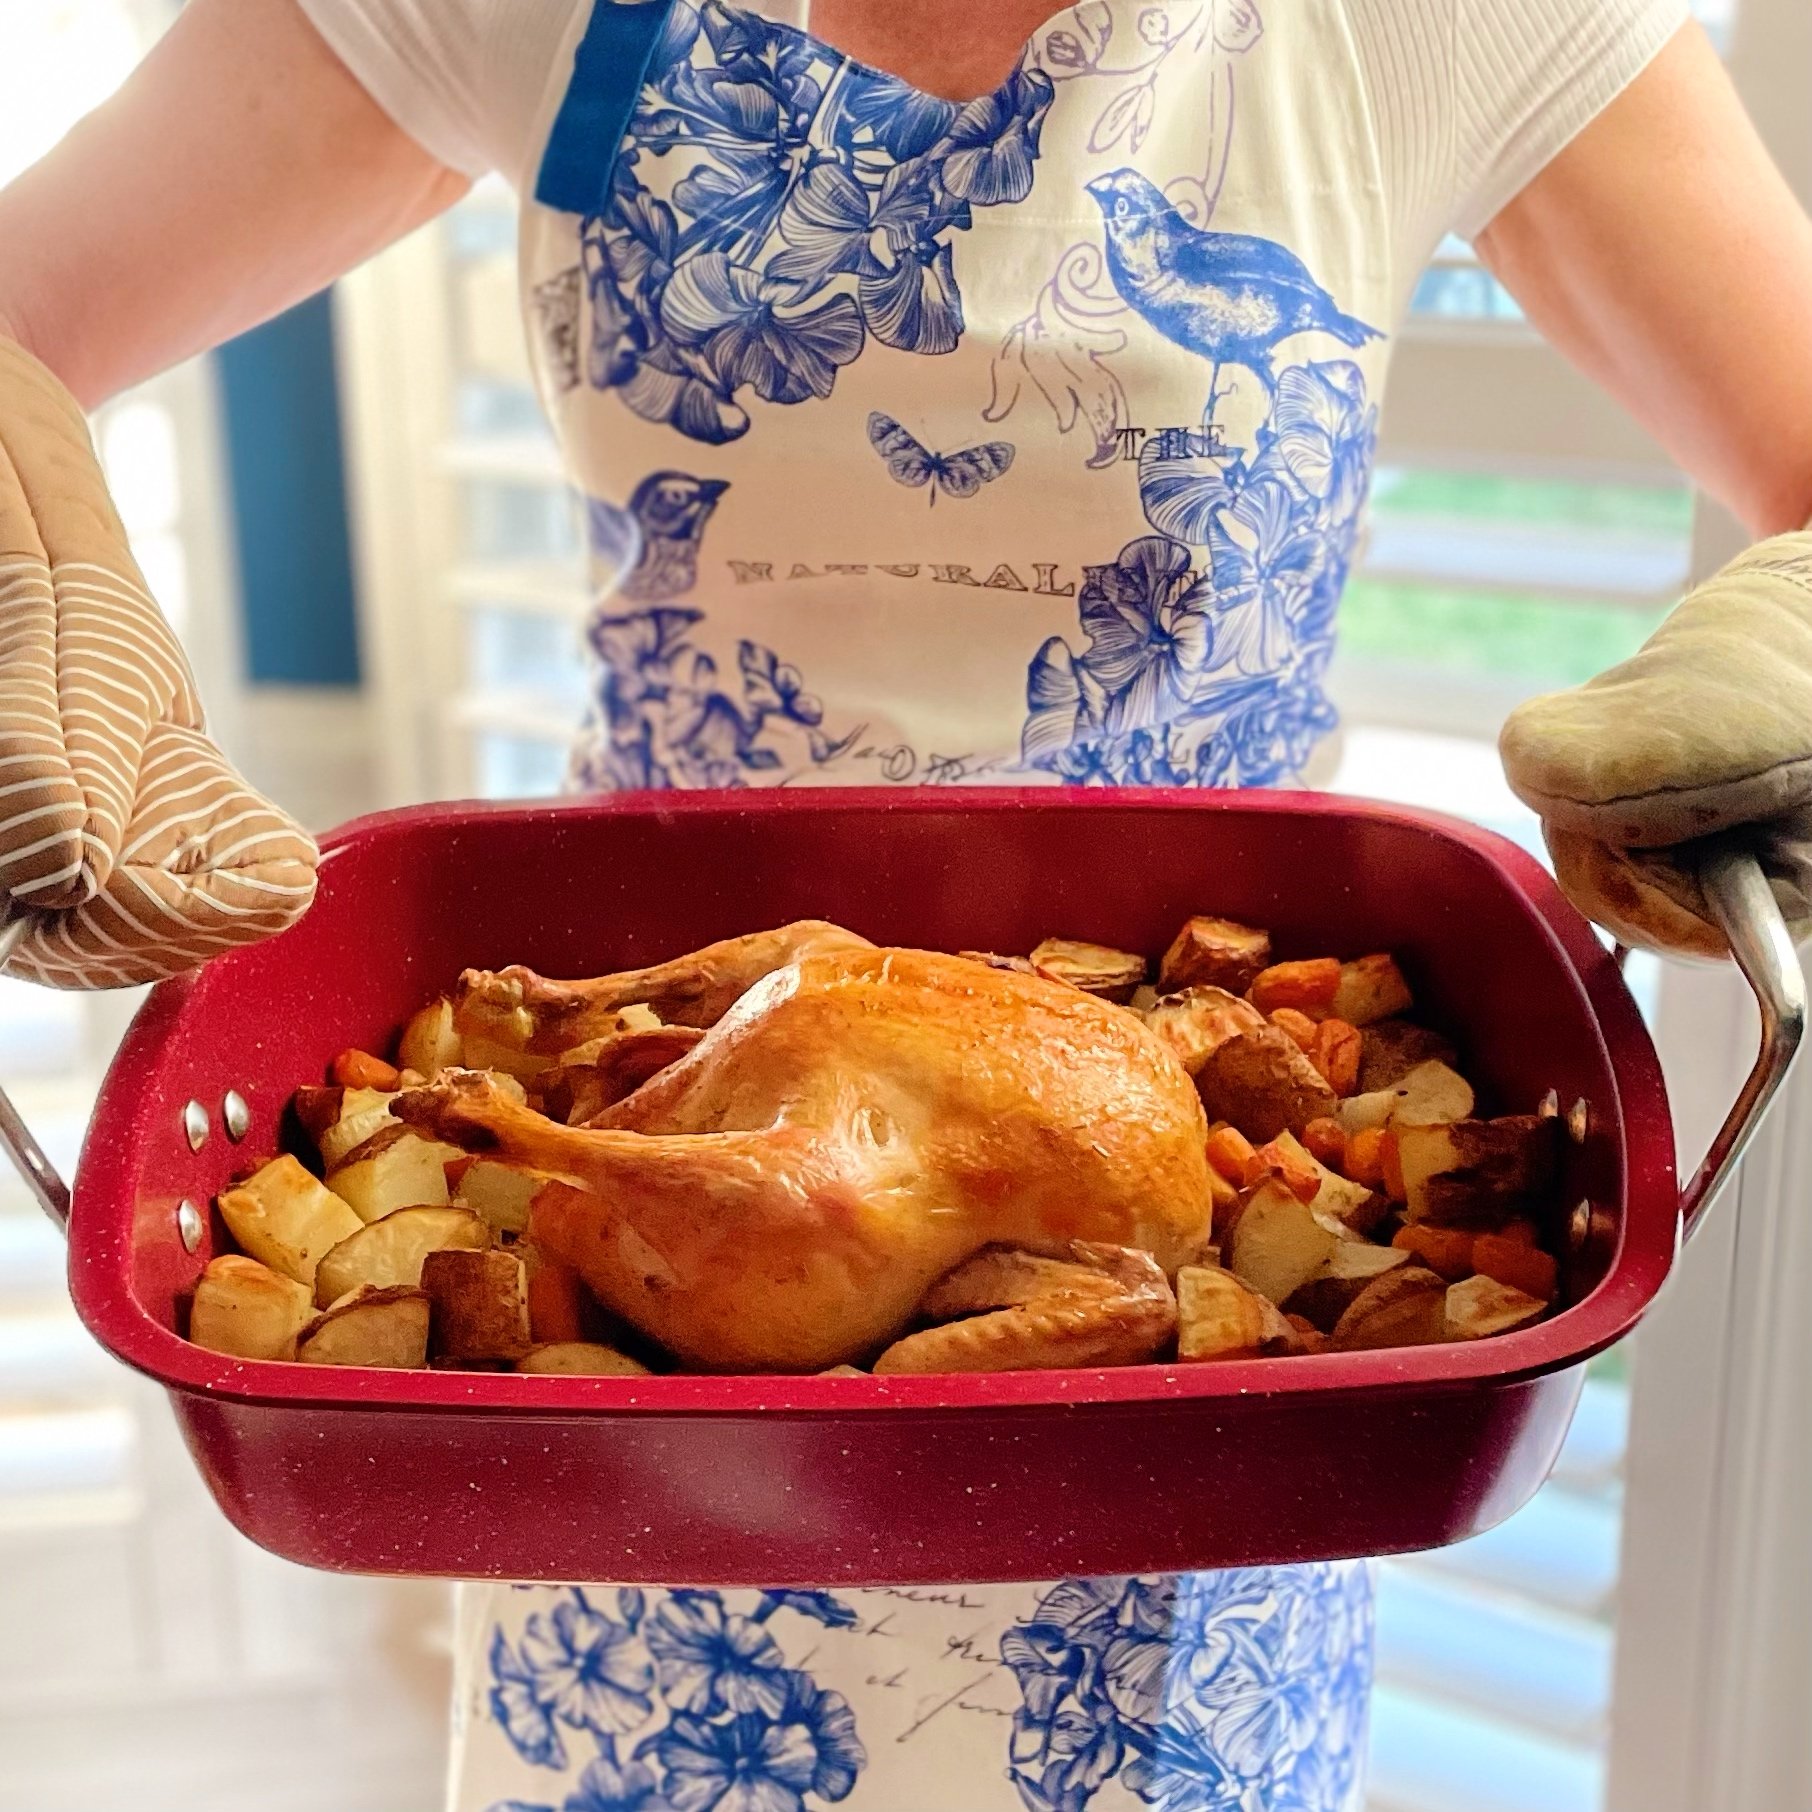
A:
[(188, 1224), (1579, 1227), (1550, 1105), (195, 1125), (235, 1115), (1579, 1120)]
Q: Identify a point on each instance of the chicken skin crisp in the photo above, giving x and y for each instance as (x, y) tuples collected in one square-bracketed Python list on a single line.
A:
[(860, 1121)]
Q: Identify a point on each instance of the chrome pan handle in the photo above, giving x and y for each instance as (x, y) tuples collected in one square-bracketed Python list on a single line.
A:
[(1737, 890), (41, 1178)]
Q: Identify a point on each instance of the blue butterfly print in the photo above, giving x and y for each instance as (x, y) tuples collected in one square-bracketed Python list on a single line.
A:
[(956, 474)]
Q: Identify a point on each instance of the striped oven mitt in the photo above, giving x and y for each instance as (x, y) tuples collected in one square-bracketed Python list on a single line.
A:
[(1706, 731), (125, 836)]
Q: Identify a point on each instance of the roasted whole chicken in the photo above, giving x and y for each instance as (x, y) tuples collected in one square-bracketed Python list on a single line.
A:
[(853, 1123)]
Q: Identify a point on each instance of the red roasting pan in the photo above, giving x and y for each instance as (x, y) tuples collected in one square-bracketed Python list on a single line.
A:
[(818, 1481)]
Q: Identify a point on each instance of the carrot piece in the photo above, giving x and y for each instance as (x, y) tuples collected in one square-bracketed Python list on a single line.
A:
[(1525, 1268), (1447, 1251), (1325, 1142), (556, 1302), (1309, 987), (359, 1069), (1233, 1155), (1365, 1157), (1390, 1159), (1299, 1174), (1336, 1053), (1298, 1026)]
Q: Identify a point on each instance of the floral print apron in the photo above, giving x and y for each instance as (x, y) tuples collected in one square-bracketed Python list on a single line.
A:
[(1023, 440)]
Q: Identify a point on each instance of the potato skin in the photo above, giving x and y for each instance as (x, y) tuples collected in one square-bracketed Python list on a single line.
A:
[(1262, 1083), (1394, 1047)]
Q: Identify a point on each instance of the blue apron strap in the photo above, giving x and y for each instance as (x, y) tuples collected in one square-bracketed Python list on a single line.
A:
[(608, 70)]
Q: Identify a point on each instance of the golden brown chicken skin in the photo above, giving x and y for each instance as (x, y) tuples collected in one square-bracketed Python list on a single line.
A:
[(861, 1120)]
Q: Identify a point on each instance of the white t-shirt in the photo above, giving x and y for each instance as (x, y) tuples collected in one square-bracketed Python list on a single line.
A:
[(1470, 98)]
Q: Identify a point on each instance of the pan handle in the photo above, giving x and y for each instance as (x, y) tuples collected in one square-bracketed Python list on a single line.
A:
[(1743, 903), (41, 1178)]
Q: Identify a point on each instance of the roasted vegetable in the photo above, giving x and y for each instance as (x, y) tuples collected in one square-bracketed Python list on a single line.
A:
[(287, 1219), (1260, 1082), (390, 1252), (480, 1304), (248, 1310), (1216, 953), (384, 1328), (1219, 1317), (1094, 968)]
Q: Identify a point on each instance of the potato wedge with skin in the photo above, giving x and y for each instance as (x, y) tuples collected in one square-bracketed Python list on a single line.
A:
[(1219, 1317), (480, 1304), (1478, 1173), (1391, 1048), (1353, 1204), (1195, 1021), (1279, 1242), (383, 1328), (588, 1359), (1094, 968), (353, 1128), (1351, 1269), (1261, 1082), (1480, 1307), (1370, 989), (1217, 953), (394, 1168), (431, 1041), (287, 1219), (389, 1253), (247, 1310), (1430, 1095), (1407, 1306), (500, 1193)]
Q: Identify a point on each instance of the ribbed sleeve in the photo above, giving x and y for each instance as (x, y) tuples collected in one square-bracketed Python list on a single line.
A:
[(1529, 75), (466, 79)]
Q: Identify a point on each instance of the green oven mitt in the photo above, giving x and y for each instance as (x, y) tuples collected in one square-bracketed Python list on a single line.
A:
[(1707, 730)]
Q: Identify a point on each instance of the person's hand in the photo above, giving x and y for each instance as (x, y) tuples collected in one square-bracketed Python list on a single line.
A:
[(125, 835), (1706, 731)]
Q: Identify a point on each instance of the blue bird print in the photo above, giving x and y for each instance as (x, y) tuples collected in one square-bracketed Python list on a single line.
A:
[(670, 510), (1228, 296)]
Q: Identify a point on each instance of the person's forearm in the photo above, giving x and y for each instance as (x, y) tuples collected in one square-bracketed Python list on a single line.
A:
[(1665, 255), (240, 169)]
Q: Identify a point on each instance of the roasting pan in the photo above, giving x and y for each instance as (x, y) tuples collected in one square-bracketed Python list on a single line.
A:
[(819, 1481)]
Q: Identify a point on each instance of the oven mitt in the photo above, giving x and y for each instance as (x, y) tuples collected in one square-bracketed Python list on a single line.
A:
[(125, 834), (1706, 731)]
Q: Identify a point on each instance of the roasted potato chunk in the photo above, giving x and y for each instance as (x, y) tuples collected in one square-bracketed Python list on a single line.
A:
[(394, 1168), (431, 1042), (1370, 989), (1215, 953), (1219, 1317), (480, 1304), (500, 1193), (1094, 968), (384, 1328), (1194, 1022), (1279, 1242), (1429, 1095), (1407, 1306), (248, 1310), (1478, 1173), (1481, 1306), (1391, 1048), (586, 1358), (287, 1219), (1350, 1270), (1261, 1082), (389, 1253)]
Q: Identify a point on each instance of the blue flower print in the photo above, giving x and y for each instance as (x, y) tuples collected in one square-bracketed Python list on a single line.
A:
[(1223, 1692), (773, 205), (1265, 560), (587, 1668), (821, 1607), (607, 1786), (518, 1709), (731, 315), (711, 1660)]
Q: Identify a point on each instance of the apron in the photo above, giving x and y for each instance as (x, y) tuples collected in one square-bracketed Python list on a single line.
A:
[(1025, 440)]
